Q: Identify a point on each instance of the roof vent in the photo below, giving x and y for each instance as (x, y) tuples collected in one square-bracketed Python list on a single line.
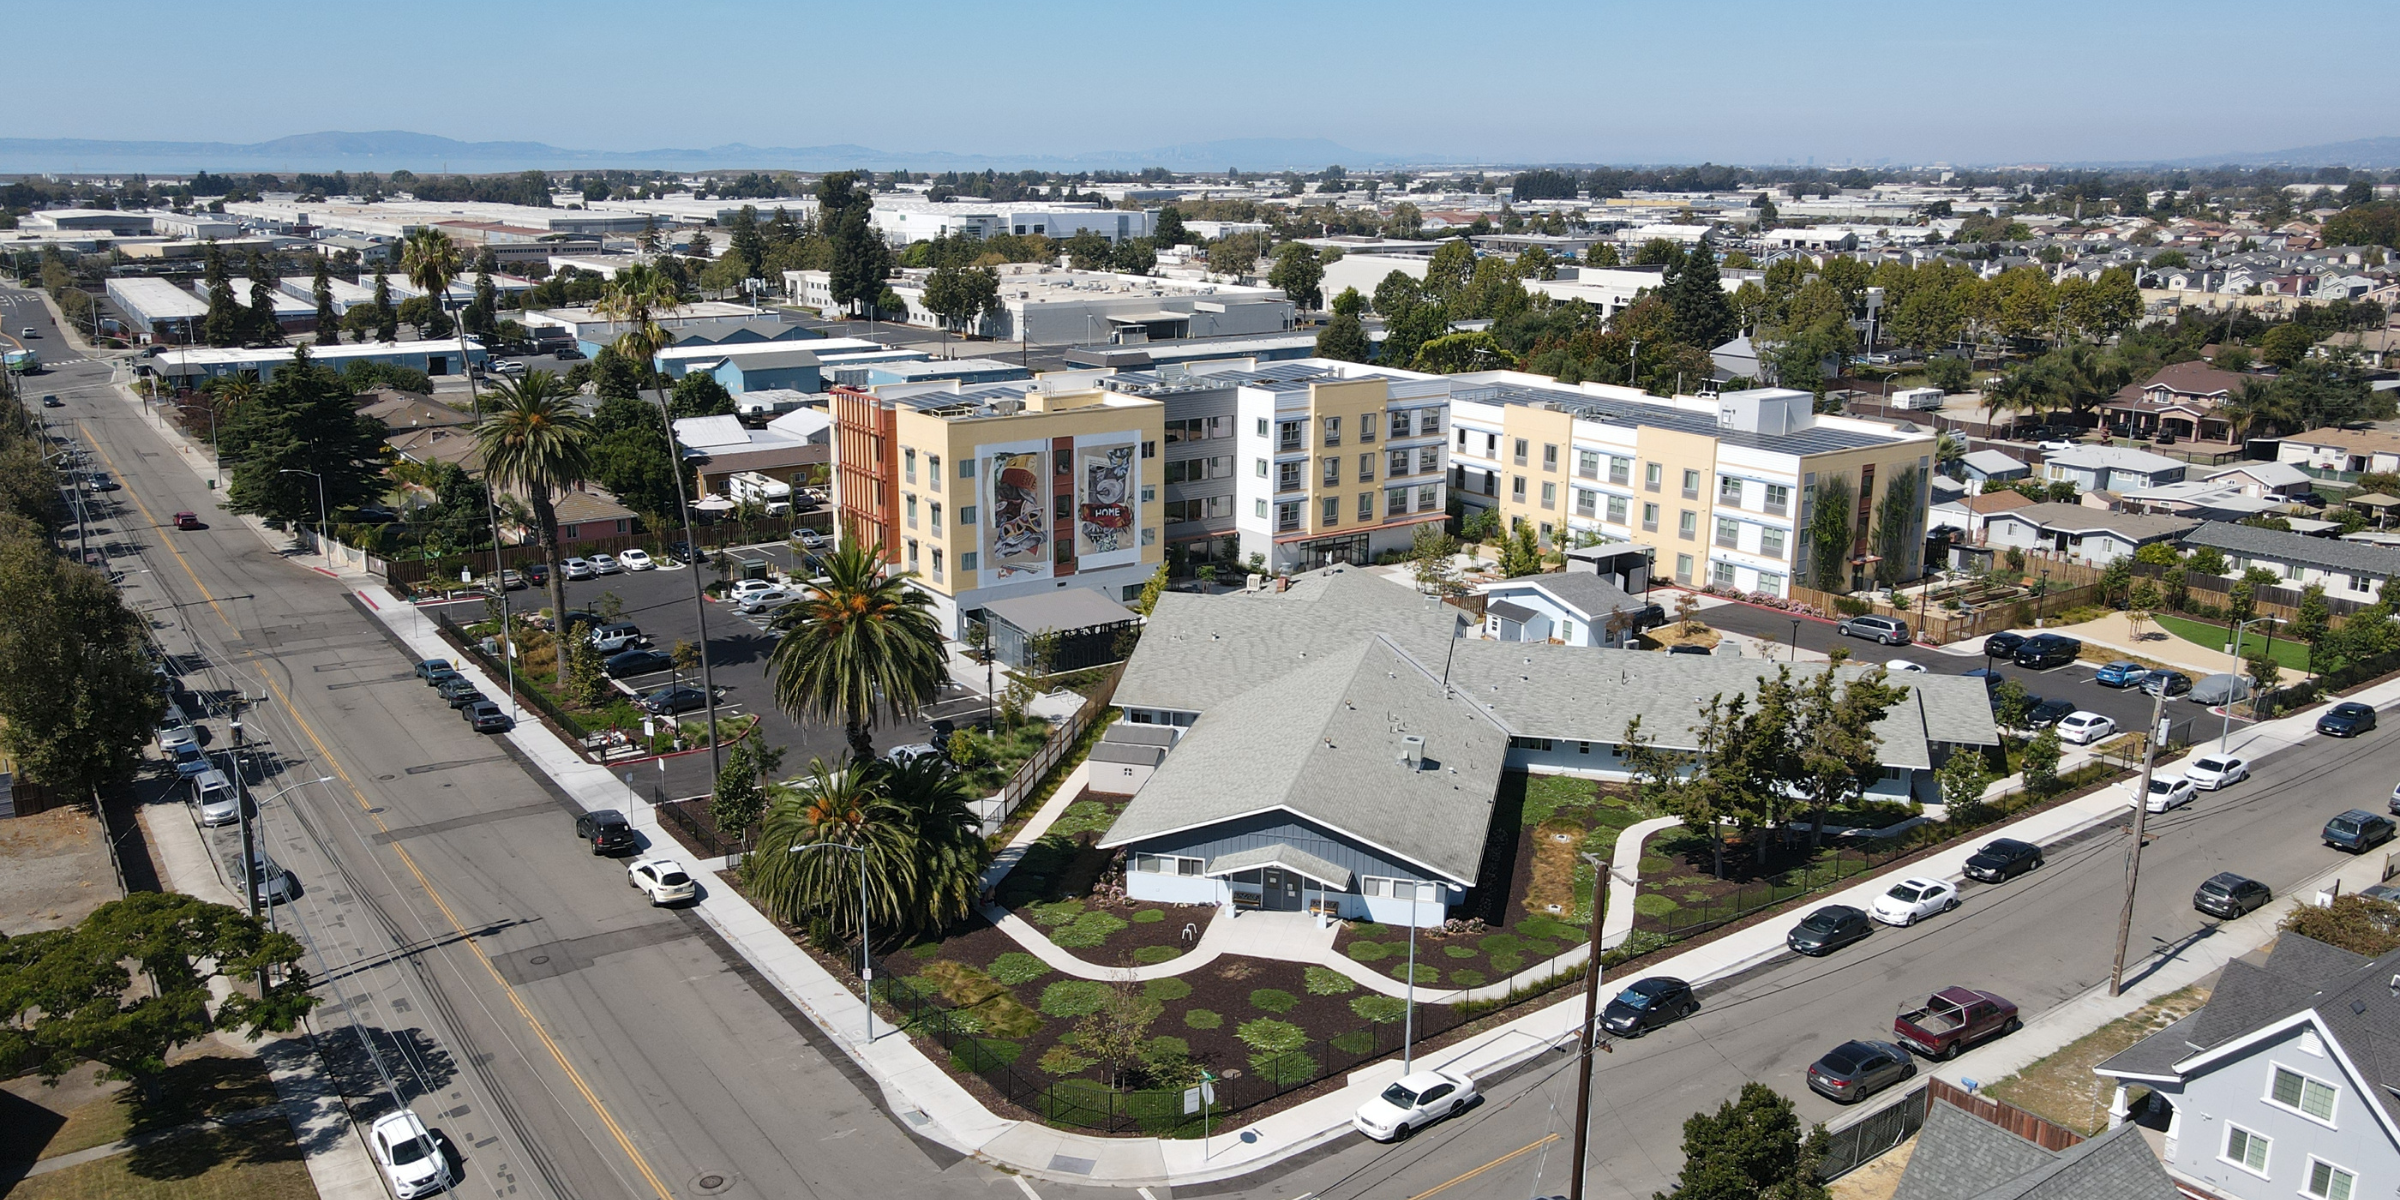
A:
[(1412, 751), (2358, 1008)]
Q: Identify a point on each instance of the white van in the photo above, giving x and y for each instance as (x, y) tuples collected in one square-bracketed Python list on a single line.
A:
[(213, 792), (1917, 399)]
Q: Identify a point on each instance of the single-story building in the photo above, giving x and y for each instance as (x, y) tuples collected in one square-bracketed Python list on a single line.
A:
[(2348, 570), (2112, 468), (1573, 608), (2073, 531), (400, 410), (2198, 499), (197, 365), (1979, 466), (2266, 480), (1972, 513), (792, 449), (1070, 629), (584, 515), (2335, 449)]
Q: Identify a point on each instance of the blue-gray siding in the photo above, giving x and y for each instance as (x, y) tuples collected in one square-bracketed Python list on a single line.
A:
[(1266, 829)]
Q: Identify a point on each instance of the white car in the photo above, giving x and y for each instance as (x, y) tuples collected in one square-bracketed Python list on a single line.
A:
[(1913, 899), (743, 587), (2169, 792), (410, 1157), (2084, 728), (811, 539), (1412, 1102), (900, 756), (1913, 668), (176, 737), (605, 564), (636, 560), (2217, 770), (663, 880), (576, 568), (764, 599), (2054, 447)]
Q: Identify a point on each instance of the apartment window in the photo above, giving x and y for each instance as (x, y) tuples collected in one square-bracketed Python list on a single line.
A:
[(1287, 477), (910, 504), (1400, 427), (1332, 470), (1366, 506), (1770, 584), (1150, 536), (1724, 574), (933, 471), (2309, 1097), (1779, 499), (1729, 533), (1620, 471), (1150, 491), (1683, 568), (1729, 491), (1547, 528), (966, 470), (2358, 583), (1691, 485), (1333, 431), (1521, 448), (1396, 462), (1149, 449), (1650, 518), (1549, 456), (937, 564), (2245, 1149), (1262, 427), (1587, 464), (1330, 510), (912, 554), (1491, 481), (1366, 425), (1429, 460), (1687, 525), (1549, 494), (1770, 542), (1462, 434), (1653, 476), (1258, 509), (1429, 420), (1429, 497), (1262, 468), (1288, 435), (2327, 1181), (1491, 445), (966, 514), (966, 560), (908, 466), (1366, 468), (937, 518), (1616, 510), (1516, 488), (1395, 501), (1587, 502)]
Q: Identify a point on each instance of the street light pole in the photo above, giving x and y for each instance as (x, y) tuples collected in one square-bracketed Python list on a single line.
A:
[(1795, 639), (866, 965)]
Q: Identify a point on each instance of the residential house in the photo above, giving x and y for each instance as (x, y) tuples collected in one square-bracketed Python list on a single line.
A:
[(1979, 466), (2284, 1084), (2345, 569), (586, 515), (2076, 532), (718, 448), (2199, 499), (2112, 468), (2182, 400), (399, 410), (2336, 449), (1961, 1156), (1572, 608), (2265, 480), (1973, 513)]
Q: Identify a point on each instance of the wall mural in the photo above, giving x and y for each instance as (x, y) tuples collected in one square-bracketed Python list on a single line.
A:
[(1017, 537), (1106, 515)]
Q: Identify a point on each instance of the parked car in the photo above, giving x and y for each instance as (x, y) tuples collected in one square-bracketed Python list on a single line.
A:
[(1648, 1004), (1907, 667), (2227, 896), (637, 560), (1953, 1019), (576, 568), (2045, 650), (2054, 446), (412, 1162), (2169, 792), (627, 663), (101, 482), (274, 884), (188, 520), (2046, 713), (903, 755), (1913, 899), (487, 717), (765, 600), (177, 732), (813, 539), (1891, 631), (2210, 772), (455, 685), (461, 698), (2170, 683), (2003, 859), (511, 580), (1853, 1071), (1828, 929), (537, 574), (663, 880), (2084, 728), (1687, 648), (219, 803), (1412, 1102), (604, 564), (53, 402), (2122, 674), (615, 636), (2347, 719), (189, 760), (670, 700), (427, 669), (606, 831), (2002, 645), (744, 587), (2358, 831)]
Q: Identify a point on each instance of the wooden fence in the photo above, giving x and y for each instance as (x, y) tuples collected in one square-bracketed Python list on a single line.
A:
[(1030, 773), (1940, 626), (2049, 1135)]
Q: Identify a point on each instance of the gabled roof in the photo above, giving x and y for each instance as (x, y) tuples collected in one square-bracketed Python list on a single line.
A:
[(2327, 554), (1960, 1156), (2113, 458), (1583, 592), (2196, 379), (2075, 518), (1993, 462)]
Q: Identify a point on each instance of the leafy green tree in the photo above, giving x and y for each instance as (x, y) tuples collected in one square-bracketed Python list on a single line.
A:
[(2267, 675), (1300, 273), (1521, 553), (2040, 762), (1949, 374), (130, 983), (744, 244), (1963, 778), (698, 394), (959, 295), (329, 322), (1397, 291), (1452, 353), (1350, 303), (302, 431), (2157, 554), (537, 442), (740, 797), (1407, 331), (1345, 338), (615, 376), (859, 259), (1830, 742), (78, 702), (1751, 1148), (1432, 562), (1168, 230), (858, 647), (2359, 924), (2313, 621), (1452, 265), (460, 517)]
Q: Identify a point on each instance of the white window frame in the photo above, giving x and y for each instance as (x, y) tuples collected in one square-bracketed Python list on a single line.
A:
[(2266, 1152), (2333, 1094), (2308, 1180)]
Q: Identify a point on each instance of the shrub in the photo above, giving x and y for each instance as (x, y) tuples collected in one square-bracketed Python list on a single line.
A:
[(1459, 951), (1270, 1036), (1201, 1018), (1368, 952), (1166, 1046), (1469, 977), (1274, 1000), (1074, 997), (1064, 1060), (1063, 912), (1147, 955), (1088, 930), (1325, 981), (1150, 916), (1017, 967), (1653, 905), (1379, 1008), (1424, 974), (982, 1054), (1357, 1041), (1166, 990)]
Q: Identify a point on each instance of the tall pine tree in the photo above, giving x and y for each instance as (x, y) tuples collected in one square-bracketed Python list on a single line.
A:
[(223, 325), (387, 318), (1700, 314), (329, 324), (263, 325)]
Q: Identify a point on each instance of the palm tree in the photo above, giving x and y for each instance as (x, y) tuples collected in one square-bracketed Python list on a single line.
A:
[(857, 647), (430, 259), (2017, 391), (2260, 403), (1947, 450), (819, 888), (537, 441), (948, 838)]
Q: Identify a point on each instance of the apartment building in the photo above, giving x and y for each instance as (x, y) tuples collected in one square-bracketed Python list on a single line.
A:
[(1308, 462), (996, 491), (1720, 488)]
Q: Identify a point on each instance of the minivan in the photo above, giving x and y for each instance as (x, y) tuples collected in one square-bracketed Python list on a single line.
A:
[(1891, 631), (615, 636), (214, 793)]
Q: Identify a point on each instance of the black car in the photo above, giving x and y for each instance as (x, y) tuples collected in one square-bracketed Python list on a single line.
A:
[(52, 402), (2226, 895), (1648, 1004), (1687, 649), (2047, 713), (2002, 645), (487, 717), (457, 685), (2358, 831), (2003, 859), (443, 677), (1828, 929), (2347, 719), (681, 551), (2046, 650), (637, 662), (1856, 1070), (461, 699), (537, 574), (669, 700), (1651, 617), (2167, 683), (607, 832)]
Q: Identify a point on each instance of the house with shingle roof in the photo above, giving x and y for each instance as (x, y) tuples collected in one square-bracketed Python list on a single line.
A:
[(1959, 1156), (2181, 399), (2287, 1083), (2074, 531), (2345, 569)]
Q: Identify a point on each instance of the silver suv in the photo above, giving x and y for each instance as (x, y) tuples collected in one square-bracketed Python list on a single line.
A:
[(1891, 631)]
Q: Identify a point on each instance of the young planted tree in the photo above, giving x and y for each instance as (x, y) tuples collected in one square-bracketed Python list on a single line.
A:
[(1833, 740), (858, 647)]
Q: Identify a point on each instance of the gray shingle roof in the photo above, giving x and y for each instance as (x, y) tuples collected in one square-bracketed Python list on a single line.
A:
[(2075, 518), (1584, 591), (2328, 554), (1959, 1156)]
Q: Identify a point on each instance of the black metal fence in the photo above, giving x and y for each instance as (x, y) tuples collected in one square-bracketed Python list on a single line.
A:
[(1854, 1146), (1845, 863), (456, 634), (700, 835)]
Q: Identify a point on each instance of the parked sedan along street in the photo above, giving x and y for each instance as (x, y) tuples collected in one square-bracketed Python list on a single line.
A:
[(2217, 770), (1412, 1102), (1914, 899), (2003, 859), (2358, 831), (2168, 792), (1828, 929), (1648, 1004), (2347, 719), (1853, 1071), (2226, 895)]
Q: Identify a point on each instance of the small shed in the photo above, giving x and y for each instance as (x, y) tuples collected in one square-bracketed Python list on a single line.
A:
[(1079, 628), (2376, 505)]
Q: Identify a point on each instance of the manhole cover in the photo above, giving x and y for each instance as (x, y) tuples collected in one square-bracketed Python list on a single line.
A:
[(387, 777), (712, 1182), (538, 959)]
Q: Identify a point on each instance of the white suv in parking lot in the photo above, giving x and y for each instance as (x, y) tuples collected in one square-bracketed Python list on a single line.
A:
[(2084, 728)]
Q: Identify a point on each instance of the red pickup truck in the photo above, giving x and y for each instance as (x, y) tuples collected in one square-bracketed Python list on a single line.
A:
[(1954, 1019)]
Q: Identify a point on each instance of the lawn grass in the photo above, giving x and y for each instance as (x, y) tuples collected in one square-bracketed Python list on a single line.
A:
[(2062, 1087), (257, 1160), (195, 1088), (2290, 655)]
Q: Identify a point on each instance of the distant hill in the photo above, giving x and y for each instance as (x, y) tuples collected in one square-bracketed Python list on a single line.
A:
[(2370, 154), (388, 150)]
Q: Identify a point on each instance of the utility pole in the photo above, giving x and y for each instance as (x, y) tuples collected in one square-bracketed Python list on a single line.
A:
[(241, 807), (1589, 1034), (2133, 859)]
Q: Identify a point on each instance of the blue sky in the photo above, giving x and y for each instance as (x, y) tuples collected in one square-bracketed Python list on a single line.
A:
[(1751, 81)]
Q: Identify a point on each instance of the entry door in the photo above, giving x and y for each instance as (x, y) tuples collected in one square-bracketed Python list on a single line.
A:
[(436, 364), (1282, 891)]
